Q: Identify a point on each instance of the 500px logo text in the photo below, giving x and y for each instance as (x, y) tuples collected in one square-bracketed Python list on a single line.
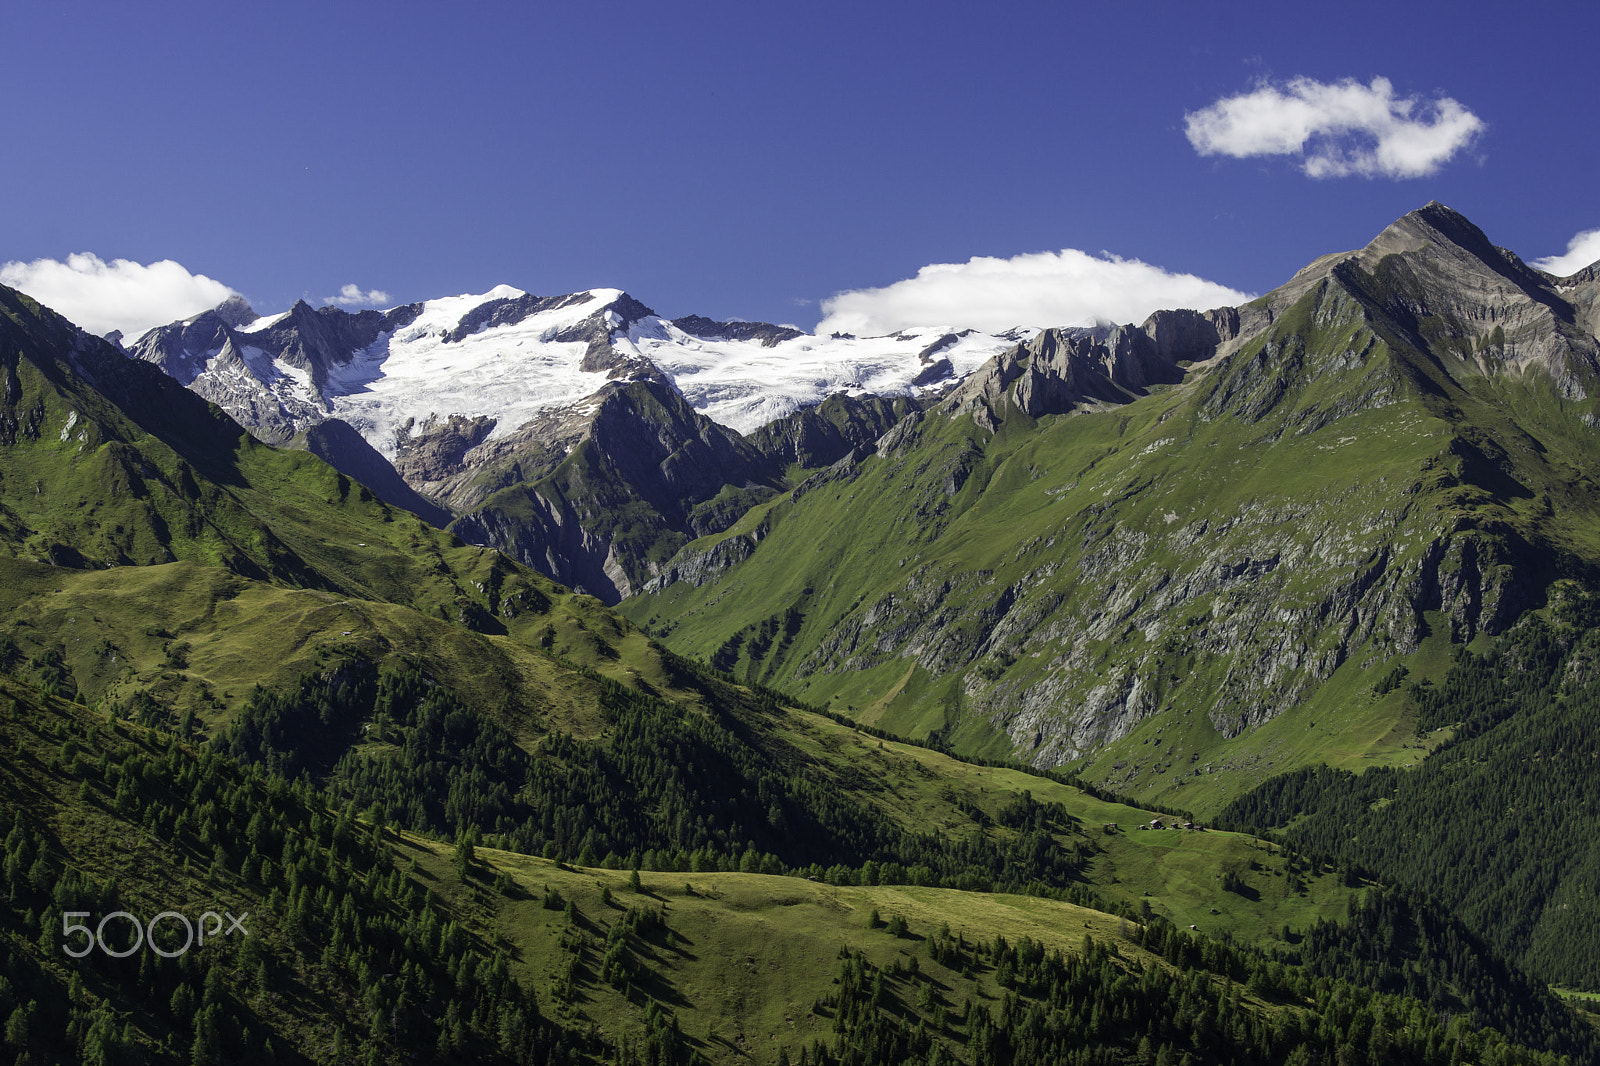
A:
[(144, 934)]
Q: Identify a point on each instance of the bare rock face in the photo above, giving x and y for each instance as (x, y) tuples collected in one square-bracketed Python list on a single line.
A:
[(601, 500), (1443, 279), (432, 452), (182, 349), (1582, 291), (314, 340), (710, 329), (701, 566), (1438, 281), (821, 435), (511, 310), (245, 382), (271, 380), (236, 312), (1060, 370)]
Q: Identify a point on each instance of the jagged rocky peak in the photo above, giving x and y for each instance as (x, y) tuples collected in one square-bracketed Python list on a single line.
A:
[(665, 448), (235, 311), (183, 348), (645, 474), (1454, 261), (317, 339), (437, 447), (1581, 289), (710, 329), (619, 314), (608, 309), (1060, 369), (823, 434), (1446, 258), (1438, 276)]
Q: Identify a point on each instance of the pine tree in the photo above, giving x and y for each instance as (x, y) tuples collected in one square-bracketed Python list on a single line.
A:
[(19, 1027), (466, 852)]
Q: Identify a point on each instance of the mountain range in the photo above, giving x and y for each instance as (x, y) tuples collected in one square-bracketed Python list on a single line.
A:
[(1186, 485), (914, 669), (476, 401), (1243, 512)]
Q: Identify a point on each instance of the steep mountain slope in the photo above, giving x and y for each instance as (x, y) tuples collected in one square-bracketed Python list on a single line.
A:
[(1496, 822), (336, 443), (647, 475), (1182, 548), (199, 627), (823, 434)]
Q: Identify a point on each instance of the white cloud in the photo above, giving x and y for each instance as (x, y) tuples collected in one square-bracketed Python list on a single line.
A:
[(352, 296), (121, 294), (1582, 250), (1038, 289), (1339, 129)]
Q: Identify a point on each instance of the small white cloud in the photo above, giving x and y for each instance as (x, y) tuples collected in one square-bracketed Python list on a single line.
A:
[(1583, 250), (1337, 129), (352, 296), (121, 294), (1037, 289)]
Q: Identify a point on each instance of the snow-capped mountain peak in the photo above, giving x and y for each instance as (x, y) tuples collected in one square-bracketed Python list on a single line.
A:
[(506, 355)]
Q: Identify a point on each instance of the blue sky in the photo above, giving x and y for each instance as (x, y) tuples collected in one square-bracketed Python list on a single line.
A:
[(750, 160)]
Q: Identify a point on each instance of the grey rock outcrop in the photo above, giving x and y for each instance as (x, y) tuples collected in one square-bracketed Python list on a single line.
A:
[(821, 435), (1062, 369), (710, 329), (642, 476), (704, 565), (218, 356)]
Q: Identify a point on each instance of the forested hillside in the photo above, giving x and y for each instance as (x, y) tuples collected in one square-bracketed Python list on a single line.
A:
[(360, 943), (1499, 823)]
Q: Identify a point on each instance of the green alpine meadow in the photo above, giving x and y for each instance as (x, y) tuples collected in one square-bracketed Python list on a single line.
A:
[(1221, 689)]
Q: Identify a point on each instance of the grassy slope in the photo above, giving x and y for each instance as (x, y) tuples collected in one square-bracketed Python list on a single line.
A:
[(226, 614), (828, 534), (189, 634), (201, 638), (752, 953), (1177, 872), (1336, 462), (748, 963)]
